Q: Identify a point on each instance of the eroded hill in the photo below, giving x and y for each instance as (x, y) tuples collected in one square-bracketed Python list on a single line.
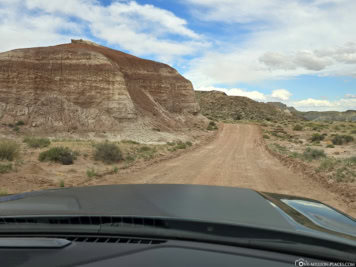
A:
[(218, 105), (88, 87)]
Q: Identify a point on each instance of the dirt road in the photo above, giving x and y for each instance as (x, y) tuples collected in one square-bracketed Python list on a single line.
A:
[(237, 157)]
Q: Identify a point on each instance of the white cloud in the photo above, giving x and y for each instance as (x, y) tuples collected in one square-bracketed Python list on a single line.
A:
[(311, 104), (255, 95), (281, 94), (285, 39), (350, 96), (141, 29)]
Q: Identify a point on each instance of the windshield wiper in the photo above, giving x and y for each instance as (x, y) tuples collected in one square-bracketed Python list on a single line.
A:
[(304, 244)]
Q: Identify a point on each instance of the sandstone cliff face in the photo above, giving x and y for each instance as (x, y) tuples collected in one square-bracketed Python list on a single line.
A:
[(86, 86)]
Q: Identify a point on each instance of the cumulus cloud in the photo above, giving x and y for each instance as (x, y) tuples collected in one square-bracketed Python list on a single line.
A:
[(285, 39), (312, 104), (281, 94), (277, 95), (139, 29), (255, 95)]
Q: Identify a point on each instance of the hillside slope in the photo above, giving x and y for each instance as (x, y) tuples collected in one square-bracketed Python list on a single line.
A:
[(86, 86), (218, 105)]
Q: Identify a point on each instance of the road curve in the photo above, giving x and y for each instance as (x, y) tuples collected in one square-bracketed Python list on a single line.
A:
[(237, 157)]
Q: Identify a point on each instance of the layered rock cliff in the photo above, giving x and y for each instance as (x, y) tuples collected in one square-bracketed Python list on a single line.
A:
[(87, 86)]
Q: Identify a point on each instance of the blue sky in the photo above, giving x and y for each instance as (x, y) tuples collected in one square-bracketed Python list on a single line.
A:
[(302, 53)]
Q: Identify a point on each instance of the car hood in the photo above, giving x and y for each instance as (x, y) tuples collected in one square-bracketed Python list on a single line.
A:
[(230, 205)]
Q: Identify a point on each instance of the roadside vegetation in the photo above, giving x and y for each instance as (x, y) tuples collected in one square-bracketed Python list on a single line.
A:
[(62, 155), (328, 147), (37, 142)]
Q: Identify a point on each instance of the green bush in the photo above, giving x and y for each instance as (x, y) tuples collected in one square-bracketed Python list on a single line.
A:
[(181, 146), (37, 142), (266, 136), (347, 138), (298, 127), (188, 143), (337, 140), (20, 123), (92, 173), (6, 167), (61, 155), (212, 126), (341, 139), (353, 131), (330, 146), (312, 154), (61, 183), (317, 137), (107, 153), (9, 150)]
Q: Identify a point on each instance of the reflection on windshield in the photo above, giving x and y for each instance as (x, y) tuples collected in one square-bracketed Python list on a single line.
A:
[(323, 215)]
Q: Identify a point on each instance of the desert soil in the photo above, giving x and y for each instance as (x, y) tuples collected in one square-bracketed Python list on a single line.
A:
[(237, 157)]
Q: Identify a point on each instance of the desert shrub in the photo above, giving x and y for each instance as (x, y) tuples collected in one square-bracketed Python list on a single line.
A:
[(144, 149), (212, 126), (330, 146), (115, 170), (337, 140), (327, 164), (6, 167), (266, 136), (61, 183), (20, 123), (130, 157), (181, 146), (298, 127), (341, 139), (92, 173), (9, 150), (312, 154), (37, 142), (188, 143), (107, 153), (347, 138), (337, 128), (156, 129), (317, 137), (353, 132), (16, 128), (62, 155)]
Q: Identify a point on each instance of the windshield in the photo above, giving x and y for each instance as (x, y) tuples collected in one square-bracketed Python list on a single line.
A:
[(257, 95)]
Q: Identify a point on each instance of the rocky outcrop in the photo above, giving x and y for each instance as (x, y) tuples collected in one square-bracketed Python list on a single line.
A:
[(217, 105), (87, 86)]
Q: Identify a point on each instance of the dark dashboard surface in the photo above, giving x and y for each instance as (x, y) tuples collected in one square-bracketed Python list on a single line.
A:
[(168, 253)]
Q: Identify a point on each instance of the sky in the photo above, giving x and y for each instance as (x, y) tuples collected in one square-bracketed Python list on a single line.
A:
[(299, 52)]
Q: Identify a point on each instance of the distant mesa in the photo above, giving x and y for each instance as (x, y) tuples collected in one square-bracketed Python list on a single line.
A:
[(83, 85)]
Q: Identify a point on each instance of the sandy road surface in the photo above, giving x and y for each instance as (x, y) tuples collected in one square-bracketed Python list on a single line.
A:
[(237, 157)]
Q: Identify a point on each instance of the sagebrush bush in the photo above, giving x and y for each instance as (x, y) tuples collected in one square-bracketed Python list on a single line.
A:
[(6, 167), (20, 123), (37, 142), (341, 139), (9, 150), (107, 153), (298, 127), (212, 126), (317, 137), (312, 154), (62, 155)]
